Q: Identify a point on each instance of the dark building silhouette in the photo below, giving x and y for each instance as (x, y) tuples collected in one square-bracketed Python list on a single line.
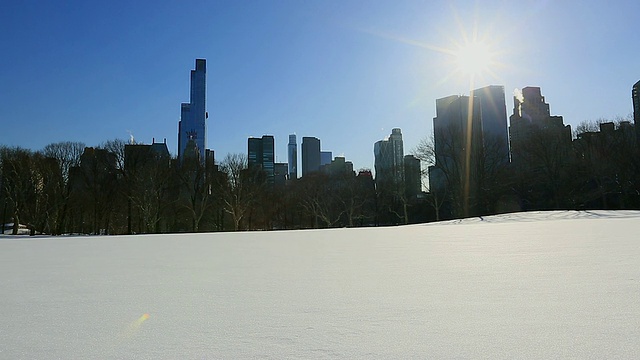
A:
[(292, 148), (458, 142), (193, 115), (94, 183), (261, 156), (606, 169), (493, 116), (147, 174), (339, 167), (310, 155), (412, 176), (96, 163), (137, 155), (533, 127)]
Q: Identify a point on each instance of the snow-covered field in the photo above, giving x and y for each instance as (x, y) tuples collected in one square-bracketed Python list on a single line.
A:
[(528, 285)]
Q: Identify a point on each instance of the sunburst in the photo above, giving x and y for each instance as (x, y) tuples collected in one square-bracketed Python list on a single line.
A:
[(474, 59)]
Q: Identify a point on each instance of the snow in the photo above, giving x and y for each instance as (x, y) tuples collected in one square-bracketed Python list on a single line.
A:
[(529, 285), (22, 229)]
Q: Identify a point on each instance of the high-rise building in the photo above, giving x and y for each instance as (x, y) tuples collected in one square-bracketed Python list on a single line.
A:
[(268, 157), (635, 96), (339, 167), (412, 176), (398, 154), (457, 130), (293, 157), (261, 156), (254, 153), (137, 156), (193, 115), (388, 161), (280, 173), (310, 155), (493, 117), (325, 157), (533, 126), (383, 160)]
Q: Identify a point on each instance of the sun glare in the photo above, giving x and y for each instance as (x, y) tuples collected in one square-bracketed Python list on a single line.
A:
[(474, 58)]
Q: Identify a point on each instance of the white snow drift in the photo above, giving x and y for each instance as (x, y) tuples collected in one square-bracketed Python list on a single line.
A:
[(527, 285)]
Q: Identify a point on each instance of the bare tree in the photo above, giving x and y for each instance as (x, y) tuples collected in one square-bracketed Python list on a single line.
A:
[(196, 190), (67, 154), (17, 182), (237, 188), (544, 167), (28, 182), (425, 151), (319, 198), (147, 175)]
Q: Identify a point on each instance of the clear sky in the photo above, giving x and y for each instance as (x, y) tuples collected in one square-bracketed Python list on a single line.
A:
[(344, 71)]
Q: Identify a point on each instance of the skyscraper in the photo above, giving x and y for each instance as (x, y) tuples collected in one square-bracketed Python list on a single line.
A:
[(293, 157), (388, 161), (532, 125), (261, 156), (412, 176), (457, 130), (325, 157), (310, 155), (254, 153), (398, 154), (268, 157), (193, 115), (494, 121)]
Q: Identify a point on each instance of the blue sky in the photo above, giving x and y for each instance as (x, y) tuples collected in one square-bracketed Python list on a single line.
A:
[(344, 71)]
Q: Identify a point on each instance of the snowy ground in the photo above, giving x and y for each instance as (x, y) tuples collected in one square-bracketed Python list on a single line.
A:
[(534, 285), (8, 229)]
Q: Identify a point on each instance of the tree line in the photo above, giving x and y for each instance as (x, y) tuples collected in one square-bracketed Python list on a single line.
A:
[(68, 188), (596, 168)]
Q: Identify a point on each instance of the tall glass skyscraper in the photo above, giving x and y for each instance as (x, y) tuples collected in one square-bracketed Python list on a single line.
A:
[(494, 121), (293, 157), (261, 156), (193, 115), (388, 159)]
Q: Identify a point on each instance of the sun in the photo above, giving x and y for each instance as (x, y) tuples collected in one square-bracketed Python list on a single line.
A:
[(473, 58)]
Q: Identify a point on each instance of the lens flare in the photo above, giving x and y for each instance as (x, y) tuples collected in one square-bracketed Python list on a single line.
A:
[(473, 58), (135, 325)]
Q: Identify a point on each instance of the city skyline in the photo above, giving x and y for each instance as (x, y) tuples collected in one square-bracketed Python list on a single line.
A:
[(339, 71)]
